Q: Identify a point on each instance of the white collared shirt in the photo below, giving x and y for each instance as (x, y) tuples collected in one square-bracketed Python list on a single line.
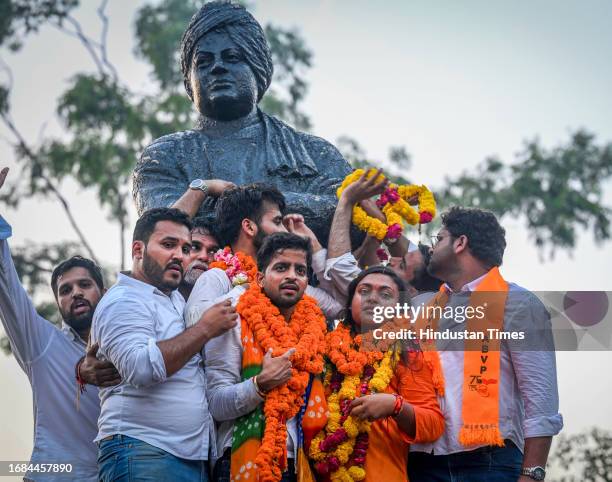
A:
[(471, 286), (170, 413), (48, 355)]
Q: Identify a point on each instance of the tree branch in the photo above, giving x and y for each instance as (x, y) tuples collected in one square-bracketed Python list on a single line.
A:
[(89, 44), (49, 185), (103, 37)]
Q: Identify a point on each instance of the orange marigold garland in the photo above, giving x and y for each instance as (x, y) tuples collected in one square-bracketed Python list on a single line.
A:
[(305, 332), (240, 268)]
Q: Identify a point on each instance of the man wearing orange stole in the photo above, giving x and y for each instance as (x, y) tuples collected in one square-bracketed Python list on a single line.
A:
[(262, 374), (500, 385)]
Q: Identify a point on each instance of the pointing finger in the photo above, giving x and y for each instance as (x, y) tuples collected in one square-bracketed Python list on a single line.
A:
[(288, 353)]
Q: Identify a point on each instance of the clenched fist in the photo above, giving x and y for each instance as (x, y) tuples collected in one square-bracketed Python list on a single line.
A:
[(275, 370), (219, 318)]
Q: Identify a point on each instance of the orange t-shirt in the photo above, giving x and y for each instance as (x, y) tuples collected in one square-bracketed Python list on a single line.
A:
[(388, 445)]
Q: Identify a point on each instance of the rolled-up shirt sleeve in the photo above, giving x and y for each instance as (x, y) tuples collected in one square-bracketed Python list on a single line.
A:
[(535, 368), (229, 397), (331, 308), (126, 334), (319, 260), (341, 271)]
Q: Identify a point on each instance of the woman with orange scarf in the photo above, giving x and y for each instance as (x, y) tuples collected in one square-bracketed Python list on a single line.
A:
[(380, 393)]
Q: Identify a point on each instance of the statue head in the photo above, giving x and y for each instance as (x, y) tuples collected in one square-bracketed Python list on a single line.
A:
[(225, 60)]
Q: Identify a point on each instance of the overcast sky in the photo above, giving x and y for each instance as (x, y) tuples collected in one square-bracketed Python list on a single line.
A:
[(453, 81)]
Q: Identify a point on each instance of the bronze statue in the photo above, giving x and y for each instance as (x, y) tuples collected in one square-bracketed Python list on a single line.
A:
[(227, 68)]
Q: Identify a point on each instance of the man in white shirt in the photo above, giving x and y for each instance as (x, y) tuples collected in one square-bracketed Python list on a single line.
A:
[(48, 355), (283, 262), (244, 216), (155, 424)]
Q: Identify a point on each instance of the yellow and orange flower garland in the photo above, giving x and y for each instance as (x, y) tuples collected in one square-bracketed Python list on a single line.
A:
[(240, 268), (306, 333), (345, 439), (394, 205)]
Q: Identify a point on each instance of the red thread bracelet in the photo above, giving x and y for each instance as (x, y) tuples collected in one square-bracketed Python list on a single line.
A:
[(399, 403), (80, 382)]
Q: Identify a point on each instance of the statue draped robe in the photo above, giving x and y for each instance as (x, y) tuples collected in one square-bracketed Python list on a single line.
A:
[(305, 168)]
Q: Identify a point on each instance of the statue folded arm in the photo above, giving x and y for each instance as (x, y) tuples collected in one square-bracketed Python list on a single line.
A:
[(159, 179)]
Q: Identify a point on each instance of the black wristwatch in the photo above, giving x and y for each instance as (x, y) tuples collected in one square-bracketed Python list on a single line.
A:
[(536, 473)]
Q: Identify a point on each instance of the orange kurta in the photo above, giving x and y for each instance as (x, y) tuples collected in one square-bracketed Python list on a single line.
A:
[(388, 445)]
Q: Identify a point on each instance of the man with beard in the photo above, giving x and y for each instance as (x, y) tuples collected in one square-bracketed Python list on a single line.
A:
[(155, 424), (245, 216), (48, 355), (500, 396), (412, 268), (204, 245), (253, 371)]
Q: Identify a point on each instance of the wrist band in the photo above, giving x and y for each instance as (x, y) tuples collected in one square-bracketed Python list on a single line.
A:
[(399, 403), (257, 389), (77, 374)]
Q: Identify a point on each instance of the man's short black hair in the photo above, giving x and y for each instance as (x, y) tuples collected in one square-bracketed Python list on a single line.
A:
[(77, 262), (423, 281), (202, 224), (146, 223), (243, 202), (279, 242), (486, 237)]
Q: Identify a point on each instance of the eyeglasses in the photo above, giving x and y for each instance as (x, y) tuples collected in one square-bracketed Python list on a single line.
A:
[(435, 240)]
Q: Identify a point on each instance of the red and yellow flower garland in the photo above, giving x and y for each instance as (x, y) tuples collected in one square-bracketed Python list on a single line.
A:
[(305, 332), (344, 438), (395, 206)]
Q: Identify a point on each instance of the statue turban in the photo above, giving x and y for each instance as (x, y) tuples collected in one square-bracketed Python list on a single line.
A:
[(244, 31)]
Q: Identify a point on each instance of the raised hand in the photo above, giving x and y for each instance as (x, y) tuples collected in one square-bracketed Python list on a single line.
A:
[(219, 318), (3, 174), (275, 370), (100, 373), (364, 188), (295, 224)]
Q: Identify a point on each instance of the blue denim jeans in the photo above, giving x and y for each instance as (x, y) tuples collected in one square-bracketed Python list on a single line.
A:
[(126, 459), (486, 464)]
